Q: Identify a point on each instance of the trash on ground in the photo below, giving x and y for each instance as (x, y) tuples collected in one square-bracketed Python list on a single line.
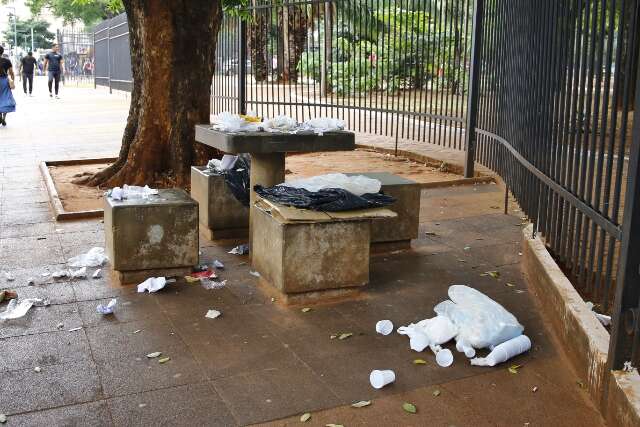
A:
[(137, 331), (534, 389), (217, 264), (75, 329), (254, 273), (152, 284), (131, 192), (164, 360), (436, 393), (18, 308), (361, 404), (505, 351), (108, 308), (97, 274), (37, 369), (60, 325), (494, 274), (8, 294), (8, 276), (240, 250), (603, 318), (3, 418), (212, 314), (60, 274), (345, 336), (80, 273), (191, 279), (305, 417), (95, 257), (379, 379), (31, 281), (306, 309), (432, 333), (409, 407), (154, 354), (212, 284), (384, 327)]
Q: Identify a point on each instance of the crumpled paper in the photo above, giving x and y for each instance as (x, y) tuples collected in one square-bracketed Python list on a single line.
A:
[(108, 308), (95, 257), (228, 122), (152, 284), (320, 125), (281, 123), (18, 308), (131, 192)]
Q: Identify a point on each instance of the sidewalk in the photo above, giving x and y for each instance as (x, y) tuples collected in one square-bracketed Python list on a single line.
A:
[(260, 362)]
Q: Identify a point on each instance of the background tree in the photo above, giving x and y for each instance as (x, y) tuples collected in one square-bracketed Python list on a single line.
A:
[(42, 37), (87, 12)]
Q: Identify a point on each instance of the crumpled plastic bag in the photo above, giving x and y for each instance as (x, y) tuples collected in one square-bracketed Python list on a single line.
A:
[(220, 165), (129, 192), (481, 321), (358, 184), (107, 308), (152, 284), (18, 308), (94, 258), (228, 122), (240, 250), (437, 330), (281, 123), (321, 125)]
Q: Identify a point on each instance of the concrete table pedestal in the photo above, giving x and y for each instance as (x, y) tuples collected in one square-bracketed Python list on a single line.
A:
[(152, 237)]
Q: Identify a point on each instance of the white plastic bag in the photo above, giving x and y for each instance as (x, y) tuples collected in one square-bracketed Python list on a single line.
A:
[(228, 122), (280, 123), (321, 125), (481, 321), (17, 309), (357, 184), (131, 192), (152, 284), (95, 257), (220, 165)]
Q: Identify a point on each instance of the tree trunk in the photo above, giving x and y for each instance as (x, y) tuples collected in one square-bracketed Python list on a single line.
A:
[(258, 40), (294, 23), (173, 47)]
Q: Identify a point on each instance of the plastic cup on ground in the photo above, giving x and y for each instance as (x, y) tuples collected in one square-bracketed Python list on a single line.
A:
[(444, 358), (379, 379), (384, 327)]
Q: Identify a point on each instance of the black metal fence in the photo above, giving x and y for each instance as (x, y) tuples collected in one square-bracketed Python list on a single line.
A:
[(548, 88), (76, 48), (112, 55)]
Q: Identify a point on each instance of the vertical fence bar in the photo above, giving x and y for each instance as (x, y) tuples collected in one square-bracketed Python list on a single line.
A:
[(242, 66), (474, 81), (109, 54)]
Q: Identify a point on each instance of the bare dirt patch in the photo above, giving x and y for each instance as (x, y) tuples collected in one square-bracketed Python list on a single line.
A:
[(77, 198)]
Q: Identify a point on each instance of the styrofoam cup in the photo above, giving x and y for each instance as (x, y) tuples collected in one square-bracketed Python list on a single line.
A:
[(444, 358), (384, 327), (379, 379)]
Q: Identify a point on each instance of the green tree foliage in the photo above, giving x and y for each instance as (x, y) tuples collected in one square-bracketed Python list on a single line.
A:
[(88, 12), (42, 37)]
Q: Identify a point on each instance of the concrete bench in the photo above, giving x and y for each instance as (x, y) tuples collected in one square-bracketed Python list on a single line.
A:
[(403, 228), (151, 237), (308, 255), (222, 216)]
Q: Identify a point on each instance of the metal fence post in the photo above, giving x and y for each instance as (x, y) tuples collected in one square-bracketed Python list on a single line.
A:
[(625, 332), (93, 59), (109, 54), (242, 68), (474, 86)]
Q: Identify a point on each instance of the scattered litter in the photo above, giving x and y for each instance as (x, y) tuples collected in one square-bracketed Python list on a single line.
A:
[(361, 404), (358, 185), (514, 368), (511, 285), (379, 379), (191, 279), (505, 351), (18, 308), (409, 407), (3, 418), (80, 273), (131, 192), (218, 264), (154, 354), (519, 291), (432, 333), (305, 417), (60, 274), (137, 331), (212, 314), (60, 325), (75, 329), (628, 367), (240, 250), (107, 309), (345, 336), (534, 389), (281, 123), (204, 274), (94, 258), (494, 274), (430, 233), (254, 273), (320, 125), (603, 318), (97, 274), (37, 369), (7, 276), (467, 248), (30, 281), (306, 310), (221, 165), (45, 274), (212, 284), (436, 393), (384, 327), (273, 299), (333, 425), (152, 284), (142, 405), (228, 122), (8, 295), (41, 238), (419, 362), (164, 360)]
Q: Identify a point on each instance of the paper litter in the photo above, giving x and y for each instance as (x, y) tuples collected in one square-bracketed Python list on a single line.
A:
[(212, 284), (228, 122), (97, 274), (59, 274), (220, 165), (321, 125), (212, 314), (75, 329), (240, 250), (18, 308), (80, 273), (281, 123), (131, 192), (152, 284), (95, 257), (603, 318), (217, 264), (107, 309), (8, 276)]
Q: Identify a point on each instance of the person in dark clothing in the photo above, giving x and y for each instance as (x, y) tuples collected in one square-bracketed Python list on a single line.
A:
[(7, 103), (28, 66), (54, 64)]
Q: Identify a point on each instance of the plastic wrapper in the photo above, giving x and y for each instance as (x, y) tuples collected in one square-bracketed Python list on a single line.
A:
[(357, 185), (281, 123), (321, 125), (228, 122), (481, 321), (328, 200), (95, 257), (227, 162), (107, 308), (18, 308), (152, 284), (237, 179), (128, 192)]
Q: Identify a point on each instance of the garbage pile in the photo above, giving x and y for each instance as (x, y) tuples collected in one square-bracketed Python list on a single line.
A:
[(228, 122), (473, 320), (236, 171), (130, 192), (333, 192)]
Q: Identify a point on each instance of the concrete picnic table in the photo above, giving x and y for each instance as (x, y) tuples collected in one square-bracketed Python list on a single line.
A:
[(268, 150)]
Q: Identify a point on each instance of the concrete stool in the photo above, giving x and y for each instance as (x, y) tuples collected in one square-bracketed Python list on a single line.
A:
[(308, 260), (222, 216), (151, 237), (403, 228)]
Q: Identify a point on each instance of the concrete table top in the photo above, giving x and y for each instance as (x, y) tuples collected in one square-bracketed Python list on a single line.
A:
[(274, 142)]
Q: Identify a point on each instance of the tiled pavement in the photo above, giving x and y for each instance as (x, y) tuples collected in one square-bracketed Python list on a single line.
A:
[(260, 361)]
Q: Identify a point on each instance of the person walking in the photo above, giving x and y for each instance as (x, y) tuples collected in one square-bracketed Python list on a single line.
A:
[(28, 65), (54, 65), (7, 103)]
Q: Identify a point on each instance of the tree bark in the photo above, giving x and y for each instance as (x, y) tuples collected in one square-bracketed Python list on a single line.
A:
[(258, 39), (294, 24), (173, 47)]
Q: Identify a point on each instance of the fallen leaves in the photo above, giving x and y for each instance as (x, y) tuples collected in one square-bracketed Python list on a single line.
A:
[(306, 310), (341, 335), (164, 360), (409, 407), (419, 362), (514, 368)]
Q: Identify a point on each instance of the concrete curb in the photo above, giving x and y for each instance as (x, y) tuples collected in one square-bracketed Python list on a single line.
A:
[(616, 394)]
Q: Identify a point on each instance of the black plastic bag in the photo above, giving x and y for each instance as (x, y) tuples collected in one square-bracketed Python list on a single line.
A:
[(328, 200), (237, 179)]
